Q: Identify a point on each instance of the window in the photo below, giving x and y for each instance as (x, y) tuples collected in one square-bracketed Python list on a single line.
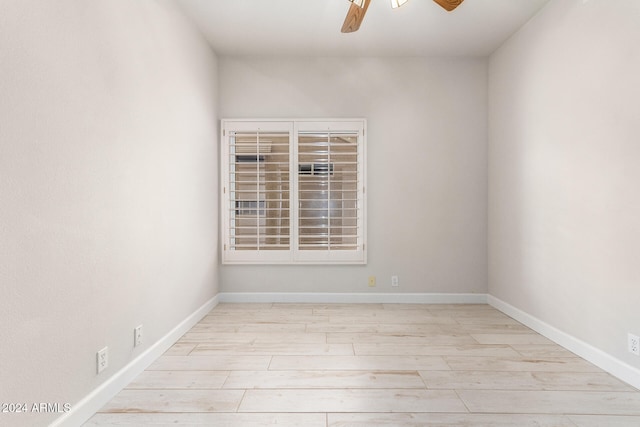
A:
[(293, 191)]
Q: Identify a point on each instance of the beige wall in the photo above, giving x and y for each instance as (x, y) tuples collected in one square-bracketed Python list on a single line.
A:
[(564, 200), (108, 189), (427, 191)]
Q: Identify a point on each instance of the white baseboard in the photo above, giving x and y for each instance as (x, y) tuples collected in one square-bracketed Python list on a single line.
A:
[(363, 298), (605, 361), (90, 404)]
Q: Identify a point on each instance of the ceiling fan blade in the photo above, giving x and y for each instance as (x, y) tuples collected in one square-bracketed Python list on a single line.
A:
[(449, 5), (354, 18)]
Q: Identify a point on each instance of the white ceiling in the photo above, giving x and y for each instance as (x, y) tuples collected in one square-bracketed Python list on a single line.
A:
[(312, 27)]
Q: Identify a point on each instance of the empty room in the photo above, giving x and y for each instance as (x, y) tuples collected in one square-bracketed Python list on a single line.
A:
[(319, 213)]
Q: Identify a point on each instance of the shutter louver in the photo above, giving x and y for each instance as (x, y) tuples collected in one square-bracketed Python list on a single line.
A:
[(327, 191), (259, 191)]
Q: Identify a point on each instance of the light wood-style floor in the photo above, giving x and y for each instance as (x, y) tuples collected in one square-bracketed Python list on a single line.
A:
[(369, 365)]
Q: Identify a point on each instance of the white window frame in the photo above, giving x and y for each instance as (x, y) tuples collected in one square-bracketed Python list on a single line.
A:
[(294, 255)]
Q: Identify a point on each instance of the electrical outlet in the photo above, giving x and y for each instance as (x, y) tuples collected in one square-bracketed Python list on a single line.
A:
[(372, 281), (634, 344), (394, 281), (102, 359), (137, 336)]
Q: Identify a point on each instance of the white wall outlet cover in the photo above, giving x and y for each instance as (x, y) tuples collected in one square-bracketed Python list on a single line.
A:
[(137, 336), (102, 359), (634, 344)]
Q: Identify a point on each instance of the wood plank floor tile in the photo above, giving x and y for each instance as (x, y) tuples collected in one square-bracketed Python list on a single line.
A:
[(351, 400), (358, 363), (467, 313), (550, 402), (527, 338), (264, 317), (483, 328), (251, 327), (180, 349), (410, 306), (345, 327), (400, 339), (210, 363), (435, 350), (444, 420), (483, 380), (605, 420), (344, 307), (255, 337), (541, 350), (485, 320), (403, 317), (226, 307), (294, 349), (461, 308), (179, 380), (547, 364), (175, 401), (323, 379), (207, 419)]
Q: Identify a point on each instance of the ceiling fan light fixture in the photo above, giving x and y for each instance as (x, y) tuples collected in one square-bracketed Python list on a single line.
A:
[(359, 3), (397, 3)]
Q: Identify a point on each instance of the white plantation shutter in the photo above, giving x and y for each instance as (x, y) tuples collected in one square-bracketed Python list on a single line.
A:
[(293, 191)]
